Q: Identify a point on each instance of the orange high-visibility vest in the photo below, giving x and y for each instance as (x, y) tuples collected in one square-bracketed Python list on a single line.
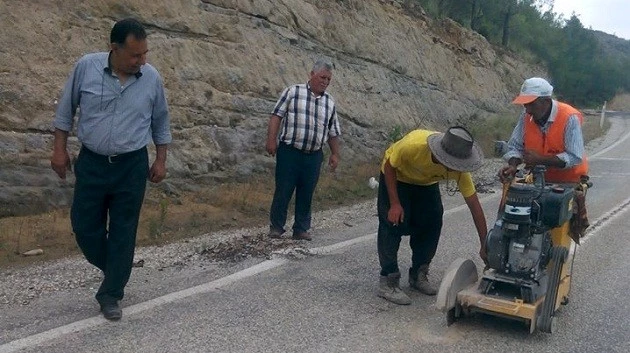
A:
[(552, 143)]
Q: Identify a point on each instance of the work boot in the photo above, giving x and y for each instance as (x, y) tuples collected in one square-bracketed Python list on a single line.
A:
[(389, 289), (275, 233), (420, 282), (302, 236)]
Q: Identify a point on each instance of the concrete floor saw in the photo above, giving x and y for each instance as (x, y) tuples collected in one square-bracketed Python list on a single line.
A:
[(530, 257)]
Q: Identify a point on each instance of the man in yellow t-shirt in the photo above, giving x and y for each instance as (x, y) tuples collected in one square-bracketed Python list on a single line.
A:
[(409, 202)]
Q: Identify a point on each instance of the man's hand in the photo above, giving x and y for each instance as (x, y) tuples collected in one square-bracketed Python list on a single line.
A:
[(157, 172), (396, 214), (272, 134), (507, 173), (333, 161), (271, 146), (532, 158), (60, 162)]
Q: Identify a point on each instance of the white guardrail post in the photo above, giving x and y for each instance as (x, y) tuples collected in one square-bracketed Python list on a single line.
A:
[(601, 120)]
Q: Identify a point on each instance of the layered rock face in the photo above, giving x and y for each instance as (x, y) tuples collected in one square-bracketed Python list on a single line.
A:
[(224, 64)]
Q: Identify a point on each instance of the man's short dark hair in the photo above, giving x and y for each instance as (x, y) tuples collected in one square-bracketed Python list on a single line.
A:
[(123, 28)]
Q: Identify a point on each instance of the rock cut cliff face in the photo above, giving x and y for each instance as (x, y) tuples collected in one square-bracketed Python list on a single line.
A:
[(224, 63)]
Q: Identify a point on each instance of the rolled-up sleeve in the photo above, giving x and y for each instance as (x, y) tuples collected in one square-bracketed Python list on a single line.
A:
[(280, 109), (70, 97), (335, 128), (573, 143), (160, 120), (516, 145)]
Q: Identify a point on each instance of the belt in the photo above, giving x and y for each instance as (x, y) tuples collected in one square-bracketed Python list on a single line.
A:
[(301, 150), (309, 152), (113, 158)]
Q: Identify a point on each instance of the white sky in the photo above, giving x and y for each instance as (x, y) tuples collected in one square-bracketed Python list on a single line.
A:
[(609, 16)]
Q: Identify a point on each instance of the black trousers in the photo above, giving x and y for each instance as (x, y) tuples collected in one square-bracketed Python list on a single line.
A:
[(295, 171), (108, 196), (423, 213)]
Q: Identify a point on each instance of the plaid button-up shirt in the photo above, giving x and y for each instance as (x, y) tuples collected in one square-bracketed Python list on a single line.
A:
[(307, 120)]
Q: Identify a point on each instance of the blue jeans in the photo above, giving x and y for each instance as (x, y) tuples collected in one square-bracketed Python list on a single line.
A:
[(295, 171)]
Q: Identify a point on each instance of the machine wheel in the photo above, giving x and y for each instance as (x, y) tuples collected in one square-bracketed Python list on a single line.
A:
[(546, 320)]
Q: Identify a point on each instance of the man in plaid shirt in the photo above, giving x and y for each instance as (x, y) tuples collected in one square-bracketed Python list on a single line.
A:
[(303, 120)]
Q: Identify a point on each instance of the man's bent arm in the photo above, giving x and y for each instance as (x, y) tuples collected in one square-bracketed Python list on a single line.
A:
[(478, 217)]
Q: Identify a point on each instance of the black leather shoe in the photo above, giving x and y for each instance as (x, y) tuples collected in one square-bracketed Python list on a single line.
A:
[(111, 311), (302, 236)]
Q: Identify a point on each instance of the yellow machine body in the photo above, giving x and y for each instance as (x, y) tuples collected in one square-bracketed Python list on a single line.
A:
[(470, 299)]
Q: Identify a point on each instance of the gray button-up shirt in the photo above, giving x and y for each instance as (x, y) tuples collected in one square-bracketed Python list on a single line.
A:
[(114, 118)]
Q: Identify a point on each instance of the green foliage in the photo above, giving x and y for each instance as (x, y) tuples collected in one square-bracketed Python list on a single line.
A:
[(395, 133), (582, 71), (491, 128)]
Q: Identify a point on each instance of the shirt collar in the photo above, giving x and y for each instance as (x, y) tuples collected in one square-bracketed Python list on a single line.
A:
[(554, 111), (308, 86), (552, 115), (109, 71)]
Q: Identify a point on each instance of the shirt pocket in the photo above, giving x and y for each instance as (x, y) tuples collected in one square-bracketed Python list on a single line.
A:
[(97, 98)]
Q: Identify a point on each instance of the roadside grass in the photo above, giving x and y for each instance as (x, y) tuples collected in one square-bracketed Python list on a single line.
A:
[(166, 219)]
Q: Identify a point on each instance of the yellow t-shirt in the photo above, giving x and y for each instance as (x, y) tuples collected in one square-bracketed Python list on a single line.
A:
[(411, 157)]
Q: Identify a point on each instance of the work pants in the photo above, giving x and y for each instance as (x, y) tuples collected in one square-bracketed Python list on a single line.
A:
[(423, 211), (295, 171)]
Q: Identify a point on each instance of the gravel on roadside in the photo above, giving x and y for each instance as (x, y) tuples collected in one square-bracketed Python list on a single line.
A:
[(20, 286)]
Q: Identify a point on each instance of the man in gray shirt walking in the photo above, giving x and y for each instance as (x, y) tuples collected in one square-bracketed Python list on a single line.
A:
[(122, 108)]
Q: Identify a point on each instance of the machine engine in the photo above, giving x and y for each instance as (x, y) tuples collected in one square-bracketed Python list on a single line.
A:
[(518, 246)]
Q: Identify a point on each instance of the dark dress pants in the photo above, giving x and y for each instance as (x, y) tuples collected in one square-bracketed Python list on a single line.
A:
[(295, 171), (423, 211), (108, 197)]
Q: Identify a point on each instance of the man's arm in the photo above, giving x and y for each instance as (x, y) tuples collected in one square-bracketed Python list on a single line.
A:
[(272, 134), (573, 143), (516, 144), (514, 155), (532, 158), (333, 161), (480, 222), (64, 116), (157, 172), (60, 160), (396, 213)]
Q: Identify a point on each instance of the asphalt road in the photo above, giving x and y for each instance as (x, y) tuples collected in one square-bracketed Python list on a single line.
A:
[(326, 302)]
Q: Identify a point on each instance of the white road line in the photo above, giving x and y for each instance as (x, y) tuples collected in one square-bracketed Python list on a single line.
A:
[(39, 338), (595, 156), (81, 325), (612, 159), (604, 219)]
